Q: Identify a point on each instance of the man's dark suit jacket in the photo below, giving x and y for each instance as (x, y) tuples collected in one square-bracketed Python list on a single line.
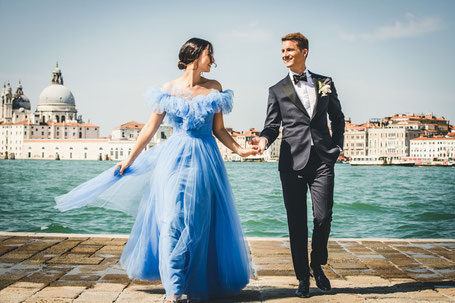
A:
[(284, 107)]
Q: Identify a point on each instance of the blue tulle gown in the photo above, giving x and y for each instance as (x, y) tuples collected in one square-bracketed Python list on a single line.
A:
[(187, 232)]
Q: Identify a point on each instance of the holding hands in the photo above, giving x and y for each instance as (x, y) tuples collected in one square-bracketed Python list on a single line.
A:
[(259, 143), (250, 151)]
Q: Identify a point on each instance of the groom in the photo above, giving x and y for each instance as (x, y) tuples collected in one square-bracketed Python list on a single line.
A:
[(300, 103)]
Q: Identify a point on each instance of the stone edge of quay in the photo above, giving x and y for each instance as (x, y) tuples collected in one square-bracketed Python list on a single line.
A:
[(123, 236)]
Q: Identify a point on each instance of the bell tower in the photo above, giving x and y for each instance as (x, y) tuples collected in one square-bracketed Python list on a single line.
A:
[(7, 104), (57, 77)]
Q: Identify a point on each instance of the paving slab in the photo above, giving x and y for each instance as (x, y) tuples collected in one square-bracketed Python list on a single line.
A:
[(39, 267)]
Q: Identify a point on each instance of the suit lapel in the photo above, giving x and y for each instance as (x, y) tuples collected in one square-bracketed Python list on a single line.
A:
[(289, 90), (316, 88)]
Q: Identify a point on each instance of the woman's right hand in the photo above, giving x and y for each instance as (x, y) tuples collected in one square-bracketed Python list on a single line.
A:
[(249, 151), (124, 165)]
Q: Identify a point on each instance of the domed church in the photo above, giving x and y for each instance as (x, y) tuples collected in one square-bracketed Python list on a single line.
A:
[(55, 118), (55, 104), (15, 107)]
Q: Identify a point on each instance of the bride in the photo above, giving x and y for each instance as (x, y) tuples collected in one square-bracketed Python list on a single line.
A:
[(187, 232)]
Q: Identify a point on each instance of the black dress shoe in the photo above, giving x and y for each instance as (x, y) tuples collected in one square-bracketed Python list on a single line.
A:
[(321, 280), (304, 289)]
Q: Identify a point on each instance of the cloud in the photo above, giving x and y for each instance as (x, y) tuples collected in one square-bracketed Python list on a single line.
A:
[(251, 31), (412, 26)]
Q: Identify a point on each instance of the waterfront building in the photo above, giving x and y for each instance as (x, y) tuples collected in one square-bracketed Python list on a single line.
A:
[(101, 148), (389, 138), (54, 118), (356, 139), (13, 135), (428, 123), (55, 131), (124, 137), (433, 148), (392, 143), (128, 130)]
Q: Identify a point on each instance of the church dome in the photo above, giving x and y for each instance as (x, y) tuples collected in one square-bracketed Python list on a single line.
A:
[(56, 94), (20, 100)]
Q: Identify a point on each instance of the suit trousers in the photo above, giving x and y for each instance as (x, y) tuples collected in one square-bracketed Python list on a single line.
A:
[(319, 178)]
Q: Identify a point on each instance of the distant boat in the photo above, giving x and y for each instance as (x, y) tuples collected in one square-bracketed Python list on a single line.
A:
[(401, 163), (380, 161), (368, 161)]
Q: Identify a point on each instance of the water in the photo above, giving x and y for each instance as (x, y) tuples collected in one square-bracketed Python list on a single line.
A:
[(392, 202)]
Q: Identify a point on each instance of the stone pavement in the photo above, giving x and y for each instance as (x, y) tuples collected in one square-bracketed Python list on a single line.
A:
[(84, 268)]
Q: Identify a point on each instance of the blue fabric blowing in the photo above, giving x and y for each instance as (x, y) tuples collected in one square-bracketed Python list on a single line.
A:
[(187, 232)]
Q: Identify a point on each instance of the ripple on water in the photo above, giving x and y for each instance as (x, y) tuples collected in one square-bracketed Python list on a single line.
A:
[(393, 202)]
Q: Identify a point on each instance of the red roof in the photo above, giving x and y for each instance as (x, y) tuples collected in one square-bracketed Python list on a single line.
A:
[(72, 124), (131, 125), (66, 140), (431, 139)]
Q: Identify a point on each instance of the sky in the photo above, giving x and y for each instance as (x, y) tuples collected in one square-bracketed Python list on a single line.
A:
[(385, 57)]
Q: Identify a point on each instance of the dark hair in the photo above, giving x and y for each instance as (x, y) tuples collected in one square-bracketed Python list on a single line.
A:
[(192, 49), (302, 41)]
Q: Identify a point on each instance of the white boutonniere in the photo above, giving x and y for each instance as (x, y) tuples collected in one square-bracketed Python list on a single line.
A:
[(324, 87)]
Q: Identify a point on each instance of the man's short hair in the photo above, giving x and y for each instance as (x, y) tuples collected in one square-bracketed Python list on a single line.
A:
[(302, 41)]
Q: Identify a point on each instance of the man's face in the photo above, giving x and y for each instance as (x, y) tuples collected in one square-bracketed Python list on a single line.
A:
[(291, 54)]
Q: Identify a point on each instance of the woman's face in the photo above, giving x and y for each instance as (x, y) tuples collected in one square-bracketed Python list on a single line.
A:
[(205, 61)]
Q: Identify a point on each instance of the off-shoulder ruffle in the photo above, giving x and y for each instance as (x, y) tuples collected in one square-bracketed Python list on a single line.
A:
[(189, 112)]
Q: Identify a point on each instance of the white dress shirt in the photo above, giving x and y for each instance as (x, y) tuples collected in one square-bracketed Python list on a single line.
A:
[(306, 92)]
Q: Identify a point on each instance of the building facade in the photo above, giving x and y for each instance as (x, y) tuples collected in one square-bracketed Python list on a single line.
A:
[(436, 148), (56, 131), (390, 137)]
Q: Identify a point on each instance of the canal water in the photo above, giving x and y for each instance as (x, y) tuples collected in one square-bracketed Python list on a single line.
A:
[(390, 202)]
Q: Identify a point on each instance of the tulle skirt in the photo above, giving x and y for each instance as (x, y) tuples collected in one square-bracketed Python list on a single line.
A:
[(187, 232)]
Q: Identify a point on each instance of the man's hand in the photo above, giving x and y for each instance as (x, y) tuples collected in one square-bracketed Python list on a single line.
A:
[(261, 142), (250, 151)]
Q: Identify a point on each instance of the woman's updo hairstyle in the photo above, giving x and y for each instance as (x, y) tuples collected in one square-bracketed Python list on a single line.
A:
[(191, 50)]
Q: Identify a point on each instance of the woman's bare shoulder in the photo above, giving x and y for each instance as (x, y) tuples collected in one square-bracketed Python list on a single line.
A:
[(212, 84)]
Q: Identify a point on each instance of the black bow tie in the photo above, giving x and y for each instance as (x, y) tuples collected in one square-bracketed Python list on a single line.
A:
[(301, 77)]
